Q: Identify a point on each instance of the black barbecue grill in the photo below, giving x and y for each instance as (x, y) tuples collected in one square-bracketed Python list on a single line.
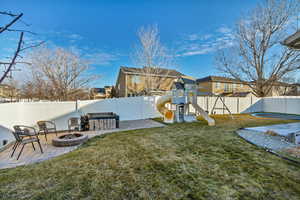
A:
[(99, 121)]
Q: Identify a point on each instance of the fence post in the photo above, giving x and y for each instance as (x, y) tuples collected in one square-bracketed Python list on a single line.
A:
[(238, 105), (207, 104), (223, 105)]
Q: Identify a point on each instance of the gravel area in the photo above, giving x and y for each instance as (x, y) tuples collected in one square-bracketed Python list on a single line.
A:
[(266, 141)]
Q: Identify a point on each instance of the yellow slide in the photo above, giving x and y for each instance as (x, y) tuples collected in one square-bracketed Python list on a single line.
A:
[(160, 105), (169, 114)]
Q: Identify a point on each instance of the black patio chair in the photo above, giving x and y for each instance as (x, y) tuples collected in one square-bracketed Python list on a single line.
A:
[(74, 124), (46, 127), (25, 135)]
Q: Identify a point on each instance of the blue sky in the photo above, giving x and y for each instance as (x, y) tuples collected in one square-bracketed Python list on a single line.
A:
[(105, 31)]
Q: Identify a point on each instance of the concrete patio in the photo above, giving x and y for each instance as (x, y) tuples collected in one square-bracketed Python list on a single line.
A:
[(30, 156)]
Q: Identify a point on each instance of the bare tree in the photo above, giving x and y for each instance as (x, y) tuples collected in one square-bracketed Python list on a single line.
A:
[(59, 74), (257, 58), (27, 91), (153, 56), (20, 47)]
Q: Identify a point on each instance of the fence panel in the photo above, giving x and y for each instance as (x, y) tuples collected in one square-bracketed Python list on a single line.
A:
[(234, 104), (282, 105), (132, 108)]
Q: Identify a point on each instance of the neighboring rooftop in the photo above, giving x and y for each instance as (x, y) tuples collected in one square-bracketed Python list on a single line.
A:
[(155, 71), (6, 86), (293, 41), (188, 80), (98, 90), (217, 79), (231, 80)]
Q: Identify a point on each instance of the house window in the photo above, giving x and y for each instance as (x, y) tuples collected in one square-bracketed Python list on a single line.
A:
[(227, 87), (218, 85), (136, 79), (234, 86)]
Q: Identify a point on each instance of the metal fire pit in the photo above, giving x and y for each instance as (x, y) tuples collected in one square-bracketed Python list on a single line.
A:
[(69, 140)]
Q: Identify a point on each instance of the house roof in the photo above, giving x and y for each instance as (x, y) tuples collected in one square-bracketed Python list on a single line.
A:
[(154, 71), (188, 80), (277, 83), (293, 41), (180, 82), (6, 86), (98, 90), (231, 80), (178, 86), (240, 94), (217, 79)]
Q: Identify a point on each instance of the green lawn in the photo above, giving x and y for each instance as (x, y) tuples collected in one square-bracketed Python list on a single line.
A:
[(179, 161)]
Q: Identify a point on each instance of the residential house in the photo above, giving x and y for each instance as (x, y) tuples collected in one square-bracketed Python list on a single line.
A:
[(221, 85), (139, 81), (293, 41), (108, 90), (7, 92), (218, 85), (101, 93), (295, 91)]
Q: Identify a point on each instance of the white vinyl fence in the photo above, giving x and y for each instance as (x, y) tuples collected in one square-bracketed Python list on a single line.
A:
[(28, 113), (234, 104), (284, 104), (130, 108)]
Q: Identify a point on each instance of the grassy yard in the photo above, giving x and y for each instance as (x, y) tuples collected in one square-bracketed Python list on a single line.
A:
[(179, 161)]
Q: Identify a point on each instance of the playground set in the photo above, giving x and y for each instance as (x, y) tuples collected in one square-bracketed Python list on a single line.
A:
[(183, 94)]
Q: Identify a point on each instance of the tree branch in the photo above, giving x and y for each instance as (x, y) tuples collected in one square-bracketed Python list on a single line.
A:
[(7, 63), (32, 46), (19, 30), (2, 29), (14, 58), (8, 13)]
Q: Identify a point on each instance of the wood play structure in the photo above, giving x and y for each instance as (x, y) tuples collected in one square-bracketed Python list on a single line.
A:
[(184, 94)]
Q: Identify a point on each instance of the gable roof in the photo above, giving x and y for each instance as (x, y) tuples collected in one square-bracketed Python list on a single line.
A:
[(178, 86), (293, 41), (98, 90), (217, 79), (188, 80), (155, 71)]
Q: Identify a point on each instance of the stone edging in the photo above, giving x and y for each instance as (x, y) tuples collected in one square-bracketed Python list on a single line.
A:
[(58, 142)]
